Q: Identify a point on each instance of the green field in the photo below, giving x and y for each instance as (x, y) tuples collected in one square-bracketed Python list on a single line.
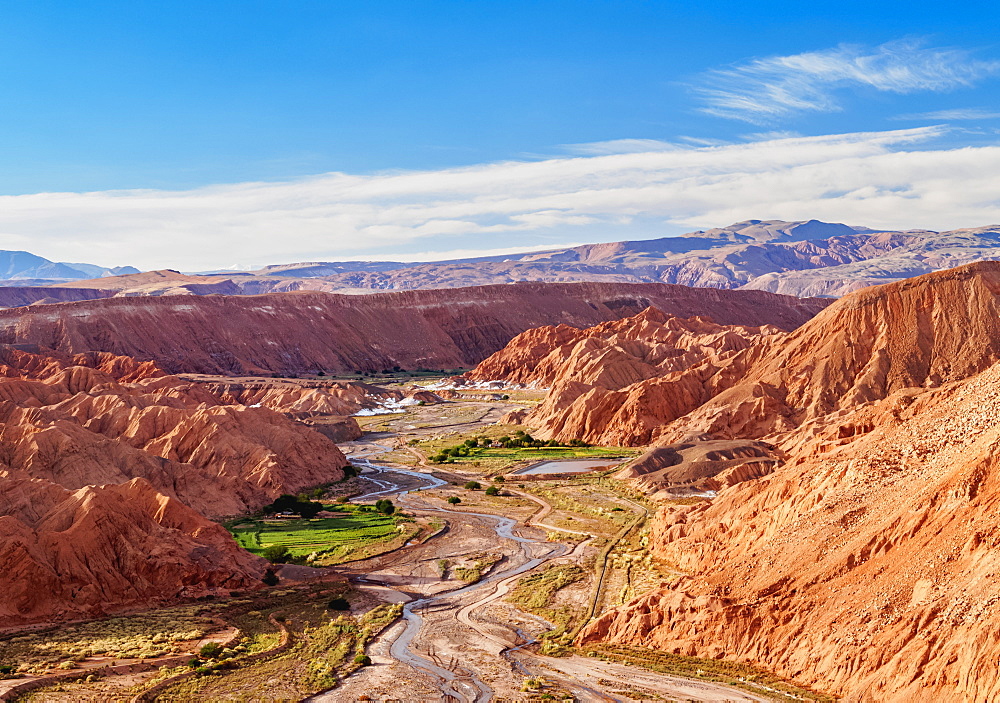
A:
[(332, 539)]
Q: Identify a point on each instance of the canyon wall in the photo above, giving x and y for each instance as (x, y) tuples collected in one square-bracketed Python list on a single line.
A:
[(310, 331), (851, 544)]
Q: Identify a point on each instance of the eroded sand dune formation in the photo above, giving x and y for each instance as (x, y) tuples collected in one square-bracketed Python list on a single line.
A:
[(107, 469), (863, 558)]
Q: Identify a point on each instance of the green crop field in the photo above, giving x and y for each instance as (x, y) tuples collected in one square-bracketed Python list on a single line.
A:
[(332, 539)]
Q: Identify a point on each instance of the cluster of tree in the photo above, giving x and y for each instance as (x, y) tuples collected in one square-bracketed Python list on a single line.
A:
[(520, 440), (299, 505), (385, 506)]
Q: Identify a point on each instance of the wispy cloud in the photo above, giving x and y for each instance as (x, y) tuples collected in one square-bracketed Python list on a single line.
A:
[(766, 89), (619, 146), (895, 179), (967, 113)]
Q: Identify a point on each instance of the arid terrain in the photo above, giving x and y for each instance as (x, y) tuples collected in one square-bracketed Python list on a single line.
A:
[(307, 332), (849, 465), (698, 497)]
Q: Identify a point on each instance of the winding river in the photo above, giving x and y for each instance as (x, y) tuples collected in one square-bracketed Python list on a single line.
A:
[(457, 682)]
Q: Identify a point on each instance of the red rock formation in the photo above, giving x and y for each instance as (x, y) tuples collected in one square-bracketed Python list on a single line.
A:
[(84, 553), (292, 332), (118, 419), (308, 399), (618, 382), (919, 332), (865, 564), (105, 465), (17, 296)]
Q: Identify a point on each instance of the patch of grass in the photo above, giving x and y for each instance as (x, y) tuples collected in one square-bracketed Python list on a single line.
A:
[(535, 594), (499, 459), (536, 590), (325, 649), (744, 676), (481, 563), (154, 634), (322, 541)]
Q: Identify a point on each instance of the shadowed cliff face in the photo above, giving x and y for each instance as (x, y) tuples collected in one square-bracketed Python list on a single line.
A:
[(863, 560), (306, 331), (107, 468)]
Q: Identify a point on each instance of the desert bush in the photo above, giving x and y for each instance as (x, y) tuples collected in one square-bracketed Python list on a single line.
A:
[(210, 650)]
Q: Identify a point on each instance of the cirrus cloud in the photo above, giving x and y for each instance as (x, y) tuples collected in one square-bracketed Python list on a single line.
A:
[(766, 89)]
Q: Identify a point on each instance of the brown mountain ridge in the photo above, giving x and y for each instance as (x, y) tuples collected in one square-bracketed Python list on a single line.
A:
[(850, 544)]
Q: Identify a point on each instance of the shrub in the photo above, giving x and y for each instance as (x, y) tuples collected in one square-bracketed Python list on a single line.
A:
[(499, 479), (492, 491), (363, 659), (270, 578), (473, 485), (6, 670), (210, 650), (454, 500), (338, 604), (276, 554)]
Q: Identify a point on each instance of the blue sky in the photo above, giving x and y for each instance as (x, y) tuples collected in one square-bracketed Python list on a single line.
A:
[(173, 116)]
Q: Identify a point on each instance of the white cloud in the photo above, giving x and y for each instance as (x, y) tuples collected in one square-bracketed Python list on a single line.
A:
[(619, 146), (965, 113), (766, 89), (889, 179)]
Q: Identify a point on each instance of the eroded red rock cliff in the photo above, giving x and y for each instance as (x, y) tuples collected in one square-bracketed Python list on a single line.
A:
[(309, 331), (107, 469), (863, 560)]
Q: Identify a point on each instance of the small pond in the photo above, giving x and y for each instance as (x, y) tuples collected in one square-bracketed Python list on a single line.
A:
[(569, 466)]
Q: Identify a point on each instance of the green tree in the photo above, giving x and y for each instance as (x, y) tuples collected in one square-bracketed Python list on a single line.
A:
[(363, 659), (276, 554), (385, 506), (339, 604), (473, 485), (492, 491), (454, 500)]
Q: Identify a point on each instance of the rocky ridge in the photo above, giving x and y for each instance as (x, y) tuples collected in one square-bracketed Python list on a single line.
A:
[(310, 331), (107, 469), (861, 560)]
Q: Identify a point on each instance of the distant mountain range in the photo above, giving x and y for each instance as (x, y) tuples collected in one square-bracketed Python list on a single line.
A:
[(805, 259), (808, 258), (26, 268)]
